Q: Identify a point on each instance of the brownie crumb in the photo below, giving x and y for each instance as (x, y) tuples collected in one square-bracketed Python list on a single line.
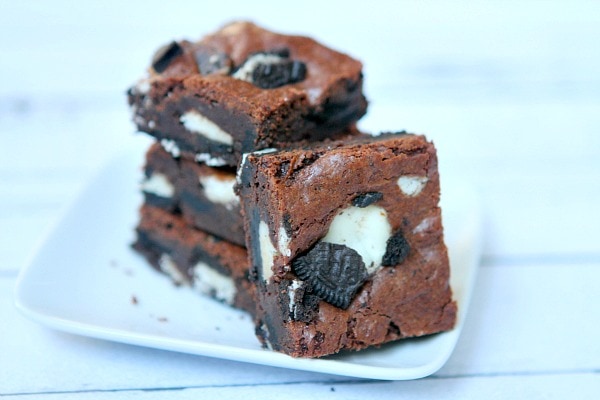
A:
[(134, 300)]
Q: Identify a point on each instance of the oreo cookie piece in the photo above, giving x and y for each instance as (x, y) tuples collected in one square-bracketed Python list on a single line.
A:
[(213, 62), (269, 70), (396, 251), (334, 271), (366, 199), (163, 56)]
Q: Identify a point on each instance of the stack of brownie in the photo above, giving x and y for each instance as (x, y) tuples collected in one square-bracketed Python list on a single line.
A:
[(261, 193)]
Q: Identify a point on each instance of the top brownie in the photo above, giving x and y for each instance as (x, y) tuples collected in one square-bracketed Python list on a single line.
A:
[(243, 89)]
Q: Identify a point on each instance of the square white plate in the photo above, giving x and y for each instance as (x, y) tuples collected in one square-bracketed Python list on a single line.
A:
[(85, 279)]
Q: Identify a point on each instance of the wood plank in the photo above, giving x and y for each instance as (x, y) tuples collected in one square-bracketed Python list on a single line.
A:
[(582, 386)]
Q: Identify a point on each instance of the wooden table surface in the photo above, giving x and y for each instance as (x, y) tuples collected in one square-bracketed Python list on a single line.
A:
[(509, 92)]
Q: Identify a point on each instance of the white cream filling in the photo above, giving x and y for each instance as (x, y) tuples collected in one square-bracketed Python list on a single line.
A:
[(411, 185), (198, 123), (283, 242), (171, 147), (220, 191), (246, 70), (167, 265), (294, 286), (209, 160), (143, 86), (267, 251), (245, 157), (424, 225), (213, 283), (265, 329), (158, 184), (314, 94), (366, 230)]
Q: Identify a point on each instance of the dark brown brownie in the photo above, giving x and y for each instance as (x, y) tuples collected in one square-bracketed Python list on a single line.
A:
[(346, 241), (192, 257), (244, 88), (203, 195)]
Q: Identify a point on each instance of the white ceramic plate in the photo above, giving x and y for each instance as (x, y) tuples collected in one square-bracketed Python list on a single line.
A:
[(85, 279)]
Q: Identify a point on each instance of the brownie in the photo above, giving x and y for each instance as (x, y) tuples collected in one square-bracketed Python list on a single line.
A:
[(244, 88), (194, 258), (346, 241), (203, 195)]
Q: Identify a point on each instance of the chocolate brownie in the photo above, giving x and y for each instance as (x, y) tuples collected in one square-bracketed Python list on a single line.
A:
[(346, 241), (194, 258), (244, 88), (203, 195)]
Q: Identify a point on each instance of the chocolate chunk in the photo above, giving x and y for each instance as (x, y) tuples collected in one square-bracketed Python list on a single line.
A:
[(396, 251), (163, 56), (334, 271), (282, 52), (366, 199), (211, 62), (273, 75), (287, 224), (271, 69)]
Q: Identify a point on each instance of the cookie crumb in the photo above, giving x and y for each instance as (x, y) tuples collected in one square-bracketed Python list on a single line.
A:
[(134, 300)]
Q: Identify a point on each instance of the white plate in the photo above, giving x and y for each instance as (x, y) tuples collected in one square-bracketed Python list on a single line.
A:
[(85, 279)]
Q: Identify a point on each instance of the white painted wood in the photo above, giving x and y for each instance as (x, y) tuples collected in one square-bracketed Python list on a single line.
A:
[(584, 386)]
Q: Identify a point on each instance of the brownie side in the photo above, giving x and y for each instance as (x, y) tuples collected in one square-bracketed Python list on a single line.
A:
[(194, 258), (293, 199), (203, 195), (183, 101)]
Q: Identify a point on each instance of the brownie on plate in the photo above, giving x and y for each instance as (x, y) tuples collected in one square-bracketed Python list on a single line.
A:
[(346, 243), (244, 88), (192, 257), (203, 195)]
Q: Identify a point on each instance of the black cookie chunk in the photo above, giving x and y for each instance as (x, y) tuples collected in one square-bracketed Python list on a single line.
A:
[(302, 303), (366, 199), (269, 70), (396, 251), (334, 271), (163, 56), (212, 62)]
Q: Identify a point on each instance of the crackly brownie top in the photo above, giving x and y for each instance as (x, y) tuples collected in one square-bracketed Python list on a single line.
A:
[(263, 60), (303, 188)]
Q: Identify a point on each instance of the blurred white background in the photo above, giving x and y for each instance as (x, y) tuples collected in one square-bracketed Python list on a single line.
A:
[(509, 91)]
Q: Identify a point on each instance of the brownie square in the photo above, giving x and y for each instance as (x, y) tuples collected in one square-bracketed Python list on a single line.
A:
[(194, 258), (203, 195), (346, 243), (244, 88)]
